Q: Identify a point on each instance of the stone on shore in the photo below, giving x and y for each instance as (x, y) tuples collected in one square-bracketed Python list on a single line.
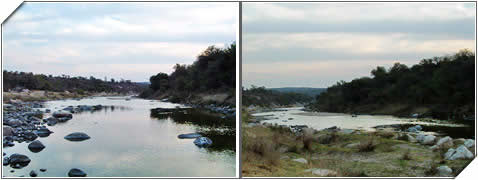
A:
[(469, 143), (202, 142), (8, 131), (414, 128), (301, 160), (445, 142), (36, 146), (189, 136), (321, 172), (444, 171), (77, 136), (76, 173), (459, 153), (426, 140)]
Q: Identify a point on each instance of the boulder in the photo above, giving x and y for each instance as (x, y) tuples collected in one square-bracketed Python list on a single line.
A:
[(428, 140), (42, 170), (414, 128), (420, 137), (51, 121), (42, 132), (14, 122), (202, 142), (29, 136), (36, 146), (77, 136), (33, 174), (189, 136), (444, 171), (469, 143), (19, 160), (301, 160), (445, 142), (60, 114), (8, 131), (6, 161), (76, 173), (459, 153), (321, 172)]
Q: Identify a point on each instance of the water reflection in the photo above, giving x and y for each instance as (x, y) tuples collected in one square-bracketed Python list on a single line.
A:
[(220, 130)]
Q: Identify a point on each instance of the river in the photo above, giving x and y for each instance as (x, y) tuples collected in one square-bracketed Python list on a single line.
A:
[(129, 140), (318, 121)]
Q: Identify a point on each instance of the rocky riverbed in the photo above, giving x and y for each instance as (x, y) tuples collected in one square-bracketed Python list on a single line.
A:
[(28, 129)]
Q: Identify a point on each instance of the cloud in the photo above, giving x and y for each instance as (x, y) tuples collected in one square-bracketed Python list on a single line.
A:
[(78, 37), (318, 44)]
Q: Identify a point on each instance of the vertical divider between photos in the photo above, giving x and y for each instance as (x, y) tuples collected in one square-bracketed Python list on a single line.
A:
[(239, 92)]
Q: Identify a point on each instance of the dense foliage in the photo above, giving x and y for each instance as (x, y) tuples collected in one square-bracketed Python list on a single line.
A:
[(440, 87), (301, 90), (260, 96), (213, 71), (19, 80)]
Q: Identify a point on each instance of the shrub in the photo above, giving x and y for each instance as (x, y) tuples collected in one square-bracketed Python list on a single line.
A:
[(367, 146), (407, 156)]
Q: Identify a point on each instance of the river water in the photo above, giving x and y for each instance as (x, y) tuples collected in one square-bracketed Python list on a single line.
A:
[(318, 121), (129, 140)]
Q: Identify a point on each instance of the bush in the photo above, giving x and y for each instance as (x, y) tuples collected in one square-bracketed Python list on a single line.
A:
[(407, 156), (367, 146)]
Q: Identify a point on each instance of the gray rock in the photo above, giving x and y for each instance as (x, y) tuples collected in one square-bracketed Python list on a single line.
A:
[(36, 146), (189, 136), (444, 171), (6, 161), (8, 131), (33, 174), (445, 142), (459, 153), (60, 114), (301, 160), (428, 140), (43, 132), (321, 172), (414, 128), (469, 143), (77, 136), (203, 142), (76, 173), (19, 160), (42, 170)]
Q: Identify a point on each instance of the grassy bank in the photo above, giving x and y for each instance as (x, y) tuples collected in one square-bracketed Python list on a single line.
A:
[(274, 151)]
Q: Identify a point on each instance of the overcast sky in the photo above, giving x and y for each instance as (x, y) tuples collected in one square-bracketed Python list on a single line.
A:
[(318, 44), (118, 40)]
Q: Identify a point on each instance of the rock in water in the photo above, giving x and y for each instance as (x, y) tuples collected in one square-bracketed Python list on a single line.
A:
[(6, 161), (202, 142), (43, 132), (77, 136), (33, 173), (76, 173), (43, 170), (189, 136), (60, 114), (444, 171), (36, 146), (19, 160)]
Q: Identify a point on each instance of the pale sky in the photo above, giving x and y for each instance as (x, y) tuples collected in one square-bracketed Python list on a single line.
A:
[(318, 44), (118, 40)]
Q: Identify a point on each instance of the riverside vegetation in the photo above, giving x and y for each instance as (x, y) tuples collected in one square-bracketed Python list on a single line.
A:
[(438, 88)]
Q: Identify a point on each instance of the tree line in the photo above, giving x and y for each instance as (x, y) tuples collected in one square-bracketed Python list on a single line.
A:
[(14, 80), (260, 96), (439, 87), (214, 70)]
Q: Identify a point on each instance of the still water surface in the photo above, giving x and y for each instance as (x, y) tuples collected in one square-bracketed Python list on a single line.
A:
[(128, 140), (364, 122)]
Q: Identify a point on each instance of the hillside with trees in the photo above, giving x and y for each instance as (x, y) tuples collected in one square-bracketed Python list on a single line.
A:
[(439, 87), (210, 79), (301, 90), (14, 80), (260, 96)]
